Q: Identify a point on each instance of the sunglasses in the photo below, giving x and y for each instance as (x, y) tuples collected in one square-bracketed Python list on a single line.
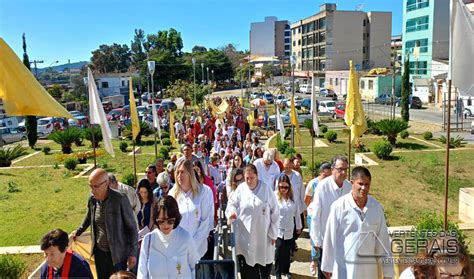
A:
[(284, 187), (169, 221)]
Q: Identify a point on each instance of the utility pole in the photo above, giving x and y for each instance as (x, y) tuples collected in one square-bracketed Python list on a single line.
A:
[(36, 68), (392, 101), (194, 79), (202, 72), (293, 63)]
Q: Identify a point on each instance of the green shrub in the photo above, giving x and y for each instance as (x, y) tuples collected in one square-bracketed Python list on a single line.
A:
[(404, 134), (123, 146), (287, 132), (96, 131), (46, 150), (282, 146), (165, 152), (66, 138), (290, 152), (382, 149), (427, 135), (391, 128), (161, 156), (70, 163), (128, 179), (12, 187), (165, 135), (8, 154), (454, 142), (323, 128), (330, 136), (166, 142), (12, 266), (372, 126)]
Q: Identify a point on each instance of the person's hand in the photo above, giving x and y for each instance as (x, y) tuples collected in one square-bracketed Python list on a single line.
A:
[(273, 241), (131, 262), (232, 218), (73, 235), (298, 231), (328, 274)]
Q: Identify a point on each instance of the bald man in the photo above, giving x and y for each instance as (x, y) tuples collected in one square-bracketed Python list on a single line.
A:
[(113, 225)]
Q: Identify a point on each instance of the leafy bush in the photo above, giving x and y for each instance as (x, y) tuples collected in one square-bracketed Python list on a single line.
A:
[(8, 154), (166, 142), (282, 145), (427, 135), (66, 138), (128, 179), (382, 149), (287, 132), (12, 187), (165, 135), (391, 128), (123, 146), (46, 150), (164, 151), (290, 152), (12, 266), (454, 142), (96, 131), (359, 146), (404, 134), (70, 163), (330, 136), (145, 130), (323, 128), (372, 126)]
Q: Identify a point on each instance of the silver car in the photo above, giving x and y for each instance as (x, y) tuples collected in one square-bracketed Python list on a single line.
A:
[(10, 135)]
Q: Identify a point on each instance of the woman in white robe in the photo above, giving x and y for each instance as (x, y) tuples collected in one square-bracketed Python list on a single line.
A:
[(168, 251), (254, 209), (195, 202)]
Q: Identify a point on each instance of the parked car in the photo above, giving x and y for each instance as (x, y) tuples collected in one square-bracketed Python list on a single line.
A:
[(306, 103), (305, 88), (298, 101), (385, 99), (327, 107), (327, 93), (286, 117), (10, 135), (255, 95), (340, 111), (281, 99), (168, 105), (45, 126), (269, 98), (414, 102)]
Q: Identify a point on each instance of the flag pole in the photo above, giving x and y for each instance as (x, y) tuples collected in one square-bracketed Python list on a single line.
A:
[(134, 166), (349, 159), (312, 150), (93, 145), (446, 170)]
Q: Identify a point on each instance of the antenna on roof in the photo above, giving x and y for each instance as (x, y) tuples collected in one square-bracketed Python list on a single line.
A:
[(359, 7)]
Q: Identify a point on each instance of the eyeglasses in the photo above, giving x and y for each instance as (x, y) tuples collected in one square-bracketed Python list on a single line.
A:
[(97, 186), (169, 221), (339, 170), (284, 187)]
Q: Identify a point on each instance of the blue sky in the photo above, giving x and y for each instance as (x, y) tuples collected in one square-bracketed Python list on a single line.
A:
[(71, 29)]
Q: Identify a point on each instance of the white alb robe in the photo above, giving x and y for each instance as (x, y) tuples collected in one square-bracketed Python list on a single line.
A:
[(355, 239), (298, 189), (256, 224), (289, 213), (175, 261), (267, 175)]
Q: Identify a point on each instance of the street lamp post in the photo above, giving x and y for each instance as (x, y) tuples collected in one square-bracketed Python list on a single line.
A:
[(202, 72), (212, 77), (293, 62), (241, 82), (207, 70), (194, 79), (151, 71)]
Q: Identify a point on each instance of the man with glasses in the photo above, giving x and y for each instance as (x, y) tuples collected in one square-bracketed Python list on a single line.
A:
[(114, 229), (328, 191)]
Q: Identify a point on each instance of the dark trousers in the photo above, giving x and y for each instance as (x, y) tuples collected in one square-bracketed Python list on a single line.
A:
[(104, 265), (282, 255), (319, 261), (253, 272)]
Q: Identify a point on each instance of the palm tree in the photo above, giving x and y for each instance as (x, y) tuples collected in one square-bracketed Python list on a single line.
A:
[(145, 130), (66, 138), (391, 128)]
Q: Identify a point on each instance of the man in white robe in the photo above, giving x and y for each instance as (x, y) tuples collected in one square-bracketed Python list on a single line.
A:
[(268, 169), (356, 237), (329, 190)]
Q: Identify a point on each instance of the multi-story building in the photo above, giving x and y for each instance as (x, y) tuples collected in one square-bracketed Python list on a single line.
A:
[(270, 38), (324, 43)]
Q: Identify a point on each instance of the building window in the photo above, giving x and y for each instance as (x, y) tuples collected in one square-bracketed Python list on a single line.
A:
[(304, 29), (299, 30), (294, 31), (299, 42), (304, 41), (287, 40), (294, 43), (371, 84), (310, 39), (287, 33), (363, 49), (421, 43), (417, 4), (322, 50), (330, 81), (419, 68), (337, 82), (364, 23), (123, 83), (287, 47), (322, 37), (322, 23), (362, 84), (417, 24), (322, 65), (310, 53), (104, 84)]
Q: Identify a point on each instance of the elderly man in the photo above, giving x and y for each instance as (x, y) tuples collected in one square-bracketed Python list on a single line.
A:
[(187, 151), (267, 169), (356, 234), (328, 191), (159, 165), (113, 225), (128, 191)]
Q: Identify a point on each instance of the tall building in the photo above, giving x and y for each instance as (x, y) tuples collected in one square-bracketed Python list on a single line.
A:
[(270, 38), (324, 43)]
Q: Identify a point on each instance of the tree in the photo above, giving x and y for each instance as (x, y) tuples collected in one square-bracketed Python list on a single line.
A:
[(406, 90), (114, 58), (56, 91), (199, 49), (138, 56), (267, 70), (243, 72), (234, 55), (391, 128), (31, 124)]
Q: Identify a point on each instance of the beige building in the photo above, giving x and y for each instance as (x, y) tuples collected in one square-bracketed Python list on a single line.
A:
[(270, 38), (326, 41)]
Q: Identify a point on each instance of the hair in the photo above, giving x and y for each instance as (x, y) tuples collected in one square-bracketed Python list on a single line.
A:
[(188, 168), (169, 205), (233, 174), (152, 168), (112, 179), (442, 253), (325, 166), (284, 178), (186, 145), (57, 237), (255, 152), (123, 275), (201, 169), (159, 160), (144, 183), (251, 168), (241, 161), (267, 156), (359, 172), (298, 156), (163, 178), (423, 270), (338, 158)]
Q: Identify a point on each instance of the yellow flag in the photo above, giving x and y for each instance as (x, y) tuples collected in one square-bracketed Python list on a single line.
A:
[(172, 135), (134, 114), (354, 116), (241, 100), (294, 121), (250, 119), (21, 93)]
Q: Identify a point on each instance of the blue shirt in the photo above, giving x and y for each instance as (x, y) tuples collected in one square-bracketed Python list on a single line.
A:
[(79, 269)]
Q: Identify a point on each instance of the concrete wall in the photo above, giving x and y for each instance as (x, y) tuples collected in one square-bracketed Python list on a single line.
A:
[(262, 37), (380, 38), (280, 38), (440, 29), (347, 30)]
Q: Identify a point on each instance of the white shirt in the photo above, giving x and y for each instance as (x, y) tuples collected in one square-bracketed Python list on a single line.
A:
[(267, 175), (197, 215), (354, 238), (288, 214), (326, 193), (131, 195), (298, 189), (256, 224), (175, 261)]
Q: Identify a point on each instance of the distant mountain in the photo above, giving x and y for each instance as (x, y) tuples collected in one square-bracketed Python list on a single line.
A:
[(60, 68)]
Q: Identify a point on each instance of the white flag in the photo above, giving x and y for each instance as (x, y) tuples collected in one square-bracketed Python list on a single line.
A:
[(279, 123), (314, 109), (97, 114), (461, 48), (156, 119)]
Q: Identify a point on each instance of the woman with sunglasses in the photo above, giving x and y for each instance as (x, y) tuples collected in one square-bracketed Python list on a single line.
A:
[(168, 251), (253, 208), (195, 202), (288, 214)]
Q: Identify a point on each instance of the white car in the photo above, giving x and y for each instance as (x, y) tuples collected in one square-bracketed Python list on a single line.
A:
[(10, 135), (45, 126), (281, 99), (327, 107), (305, 88)]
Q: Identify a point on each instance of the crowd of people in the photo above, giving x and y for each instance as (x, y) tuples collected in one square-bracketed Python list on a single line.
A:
[(165, 224)]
